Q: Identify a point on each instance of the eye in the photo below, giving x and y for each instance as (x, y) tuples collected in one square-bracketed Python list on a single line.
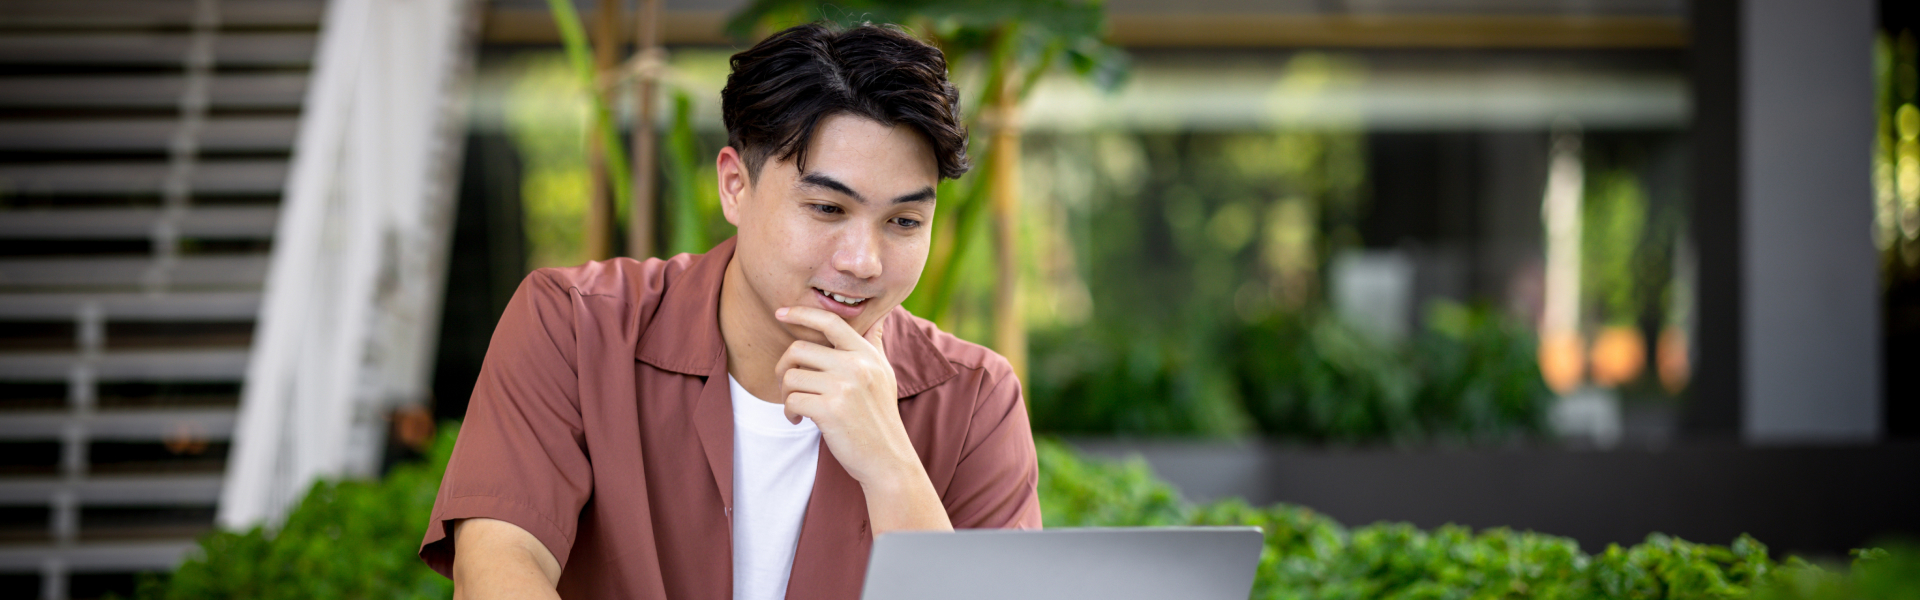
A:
[(906, 223), (826, 209)]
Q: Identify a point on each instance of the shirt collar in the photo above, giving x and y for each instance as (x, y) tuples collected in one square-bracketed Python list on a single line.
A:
[(683, 335)]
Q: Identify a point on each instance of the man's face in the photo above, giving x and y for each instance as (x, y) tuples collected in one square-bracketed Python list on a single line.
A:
[(850, 235)]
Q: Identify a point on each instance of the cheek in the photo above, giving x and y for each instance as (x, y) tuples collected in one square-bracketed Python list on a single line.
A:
[(785, 237), (803, 254), (905, 261)]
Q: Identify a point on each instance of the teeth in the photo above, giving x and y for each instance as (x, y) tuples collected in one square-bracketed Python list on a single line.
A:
[(845, 300)]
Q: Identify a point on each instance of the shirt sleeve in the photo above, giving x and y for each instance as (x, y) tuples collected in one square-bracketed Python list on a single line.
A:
[(521, 455), (996, 484)]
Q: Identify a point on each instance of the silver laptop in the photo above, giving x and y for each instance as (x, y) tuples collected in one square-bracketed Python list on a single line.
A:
[(1157, 563)]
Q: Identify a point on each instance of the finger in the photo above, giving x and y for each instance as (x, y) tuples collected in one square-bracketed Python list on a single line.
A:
[(838, 332), (803, 380), (806, 355), (801, 404)]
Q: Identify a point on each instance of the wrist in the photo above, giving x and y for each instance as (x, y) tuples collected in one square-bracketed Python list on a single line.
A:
[(904, 476), (905, 500)]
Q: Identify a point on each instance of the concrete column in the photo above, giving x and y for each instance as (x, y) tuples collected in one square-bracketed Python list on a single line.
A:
[(1809, 318)]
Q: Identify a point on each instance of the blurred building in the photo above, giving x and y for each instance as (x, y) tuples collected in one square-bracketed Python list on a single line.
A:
[(225, 231)]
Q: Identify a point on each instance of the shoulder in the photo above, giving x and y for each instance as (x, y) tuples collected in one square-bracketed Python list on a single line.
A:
[(619, 296), (961, 353), (621, 288), (949, 362), (619, 277)]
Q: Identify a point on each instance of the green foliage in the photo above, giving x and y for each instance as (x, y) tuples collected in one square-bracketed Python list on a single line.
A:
[(573, 37), (1083, 493), (1890, 573), (1308, 555), (1098, 381), (346, 539), (1615, 214), (1896, 73), (1470, 376), (357, 540), (546, 114), (549, 116), (1480, 375), (1313, 377), (689, 172)]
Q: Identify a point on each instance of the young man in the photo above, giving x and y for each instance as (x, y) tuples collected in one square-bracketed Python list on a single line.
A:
[(741, 424)]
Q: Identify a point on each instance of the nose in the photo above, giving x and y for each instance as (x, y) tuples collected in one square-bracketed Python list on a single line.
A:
[(857, 253)]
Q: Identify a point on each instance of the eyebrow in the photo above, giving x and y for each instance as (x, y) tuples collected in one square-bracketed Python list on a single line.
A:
[(925, 194)]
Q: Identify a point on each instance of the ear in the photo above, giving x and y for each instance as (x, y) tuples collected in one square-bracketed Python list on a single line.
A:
[(734, 182)]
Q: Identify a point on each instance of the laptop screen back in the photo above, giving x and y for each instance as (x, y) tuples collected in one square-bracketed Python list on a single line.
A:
[(1196, 563)]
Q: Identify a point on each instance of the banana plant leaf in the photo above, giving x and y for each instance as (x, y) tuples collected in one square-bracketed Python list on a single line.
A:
[(573, 36)]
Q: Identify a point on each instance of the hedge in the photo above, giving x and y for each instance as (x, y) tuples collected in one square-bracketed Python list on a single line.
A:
[(1310, 555), (347, 540), (356, 539)]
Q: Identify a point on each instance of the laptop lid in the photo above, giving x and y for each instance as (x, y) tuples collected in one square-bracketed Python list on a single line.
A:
[(1195, 563)]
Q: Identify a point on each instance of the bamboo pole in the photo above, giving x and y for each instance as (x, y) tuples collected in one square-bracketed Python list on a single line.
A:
[(650, 59), (599, 217), (1009, 320)]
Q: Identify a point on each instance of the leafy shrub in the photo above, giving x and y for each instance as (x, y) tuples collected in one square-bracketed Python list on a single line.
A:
[(1878, 573), (1471, 375), (1082, 493), (346, 539), (358, 540), (1099, 381), (1308, 555), (1480, 373), (1313, 377)]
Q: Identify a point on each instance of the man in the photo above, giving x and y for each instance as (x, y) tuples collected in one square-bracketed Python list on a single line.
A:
[(742, 423)]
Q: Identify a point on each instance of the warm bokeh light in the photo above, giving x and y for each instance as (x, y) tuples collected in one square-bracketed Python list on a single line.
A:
[(1562, 360), (186, 439), (1619, 355)]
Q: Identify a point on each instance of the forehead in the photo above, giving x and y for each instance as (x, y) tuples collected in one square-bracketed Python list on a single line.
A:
[(871, 157)]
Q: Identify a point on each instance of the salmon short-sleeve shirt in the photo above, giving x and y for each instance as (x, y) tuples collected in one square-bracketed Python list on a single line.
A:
[(602, 424)]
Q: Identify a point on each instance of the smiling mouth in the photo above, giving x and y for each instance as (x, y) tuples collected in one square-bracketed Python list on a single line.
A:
[(847, 300)]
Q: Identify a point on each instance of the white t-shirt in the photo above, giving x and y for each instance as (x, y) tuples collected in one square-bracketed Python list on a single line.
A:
[(773, 466)]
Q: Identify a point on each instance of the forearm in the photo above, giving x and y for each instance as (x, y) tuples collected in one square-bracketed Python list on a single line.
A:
[(905, 502), (495, 559)]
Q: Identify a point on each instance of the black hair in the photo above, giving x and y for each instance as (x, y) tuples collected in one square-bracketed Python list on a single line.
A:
[(781, 88)]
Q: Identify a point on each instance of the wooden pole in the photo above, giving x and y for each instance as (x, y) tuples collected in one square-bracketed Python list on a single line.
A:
[(1009, 321), (652, 58), (599, 218)]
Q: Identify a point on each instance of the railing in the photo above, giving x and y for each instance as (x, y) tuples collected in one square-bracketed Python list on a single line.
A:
[(347, 323)]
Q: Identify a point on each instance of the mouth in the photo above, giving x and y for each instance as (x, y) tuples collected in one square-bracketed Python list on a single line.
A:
[(843, 299), (840, 304)]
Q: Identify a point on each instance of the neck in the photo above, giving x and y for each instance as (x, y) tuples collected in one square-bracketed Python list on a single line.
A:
[(754, 339)]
